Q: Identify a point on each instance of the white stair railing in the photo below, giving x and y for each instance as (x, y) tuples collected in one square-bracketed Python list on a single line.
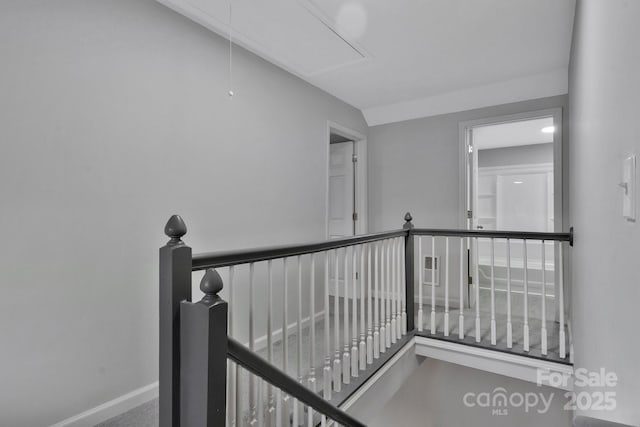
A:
[(363, 284), (493, 299)]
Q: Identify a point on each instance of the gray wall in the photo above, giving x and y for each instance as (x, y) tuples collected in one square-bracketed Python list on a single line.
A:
[(605, 102), (507, 156), (413, 165), (433, 397), (114, 115)]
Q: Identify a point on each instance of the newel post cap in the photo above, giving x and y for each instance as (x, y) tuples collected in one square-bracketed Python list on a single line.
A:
[(175, 228), (407, 218), (211, 284)]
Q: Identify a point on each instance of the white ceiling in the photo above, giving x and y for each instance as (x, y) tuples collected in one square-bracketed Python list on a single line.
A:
[(525, 132), (405, 58)]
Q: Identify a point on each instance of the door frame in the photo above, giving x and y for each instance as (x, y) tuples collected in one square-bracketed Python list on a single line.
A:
[(464, 128), (360, 188), (463, 158)]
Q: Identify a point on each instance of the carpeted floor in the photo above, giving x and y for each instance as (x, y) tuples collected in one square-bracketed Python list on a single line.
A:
[(534, 305), (146, 415)]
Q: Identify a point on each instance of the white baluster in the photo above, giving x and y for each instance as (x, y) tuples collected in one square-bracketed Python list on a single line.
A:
[(239, 396), (446, 287), (310, 422), (295, 419), (312, 326), (346, 356), (260, 400), (376, 304), (270, 396), (543, 329), (241, 417), (509, 323), (383, 298), (279, 410), (297, 408), (354, 311), (493, 294), (403, 285), (561, 334), (299, 322), (231, 406), (369, 308), (433, 284), (253, 392), (476, 279), (326, 374), (398, 291), (337, 364), (462, 280), (388, 294), (285, 337), (362, 349), (285, 316), (420, 285), (526, 299), (392, 284), (230, 392)]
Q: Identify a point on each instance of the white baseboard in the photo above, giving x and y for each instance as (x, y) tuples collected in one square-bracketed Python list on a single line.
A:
[(510, 365), (128, 401), (111, 408)]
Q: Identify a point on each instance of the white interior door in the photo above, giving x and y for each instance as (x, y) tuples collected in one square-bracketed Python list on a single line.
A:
[(509, 191), (341, 190)]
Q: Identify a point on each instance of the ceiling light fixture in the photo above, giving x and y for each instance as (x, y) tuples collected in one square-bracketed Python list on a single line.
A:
[(548, 129), (518, 182)]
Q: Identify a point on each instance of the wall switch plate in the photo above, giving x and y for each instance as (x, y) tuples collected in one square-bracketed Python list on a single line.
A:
[(628, 184)]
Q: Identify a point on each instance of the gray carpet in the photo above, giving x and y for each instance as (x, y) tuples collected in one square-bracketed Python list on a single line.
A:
[(534, 305)]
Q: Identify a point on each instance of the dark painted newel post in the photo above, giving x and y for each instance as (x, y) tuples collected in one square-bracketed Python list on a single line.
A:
[(175, 286), (203, 366), (409, 271), (570, 236)]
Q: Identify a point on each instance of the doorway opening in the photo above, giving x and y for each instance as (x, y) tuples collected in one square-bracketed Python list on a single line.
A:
[(346, 182), (513, 181), (346, 191)]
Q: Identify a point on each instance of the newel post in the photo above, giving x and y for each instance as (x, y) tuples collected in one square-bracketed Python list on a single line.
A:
[(409, 271), (175, 286), (203, 366)]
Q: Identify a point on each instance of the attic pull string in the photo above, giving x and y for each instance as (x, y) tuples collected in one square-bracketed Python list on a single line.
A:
[(230, 50)]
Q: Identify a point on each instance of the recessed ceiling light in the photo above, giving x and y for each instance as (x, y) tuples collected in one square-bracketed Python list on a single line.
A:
[(518, 182), (548, 129)]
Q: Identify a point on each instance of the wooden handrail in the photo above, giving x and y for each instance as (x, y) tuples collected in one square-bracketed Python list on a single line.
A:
[(260, 367), (244, 256), (496, 234)]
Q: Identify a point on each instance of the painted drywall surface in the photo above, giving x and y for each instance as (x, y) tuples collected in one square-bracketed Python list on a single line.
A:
[(508, 156), (113, 116), (605, 104), (414, 166), (436, 393)]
